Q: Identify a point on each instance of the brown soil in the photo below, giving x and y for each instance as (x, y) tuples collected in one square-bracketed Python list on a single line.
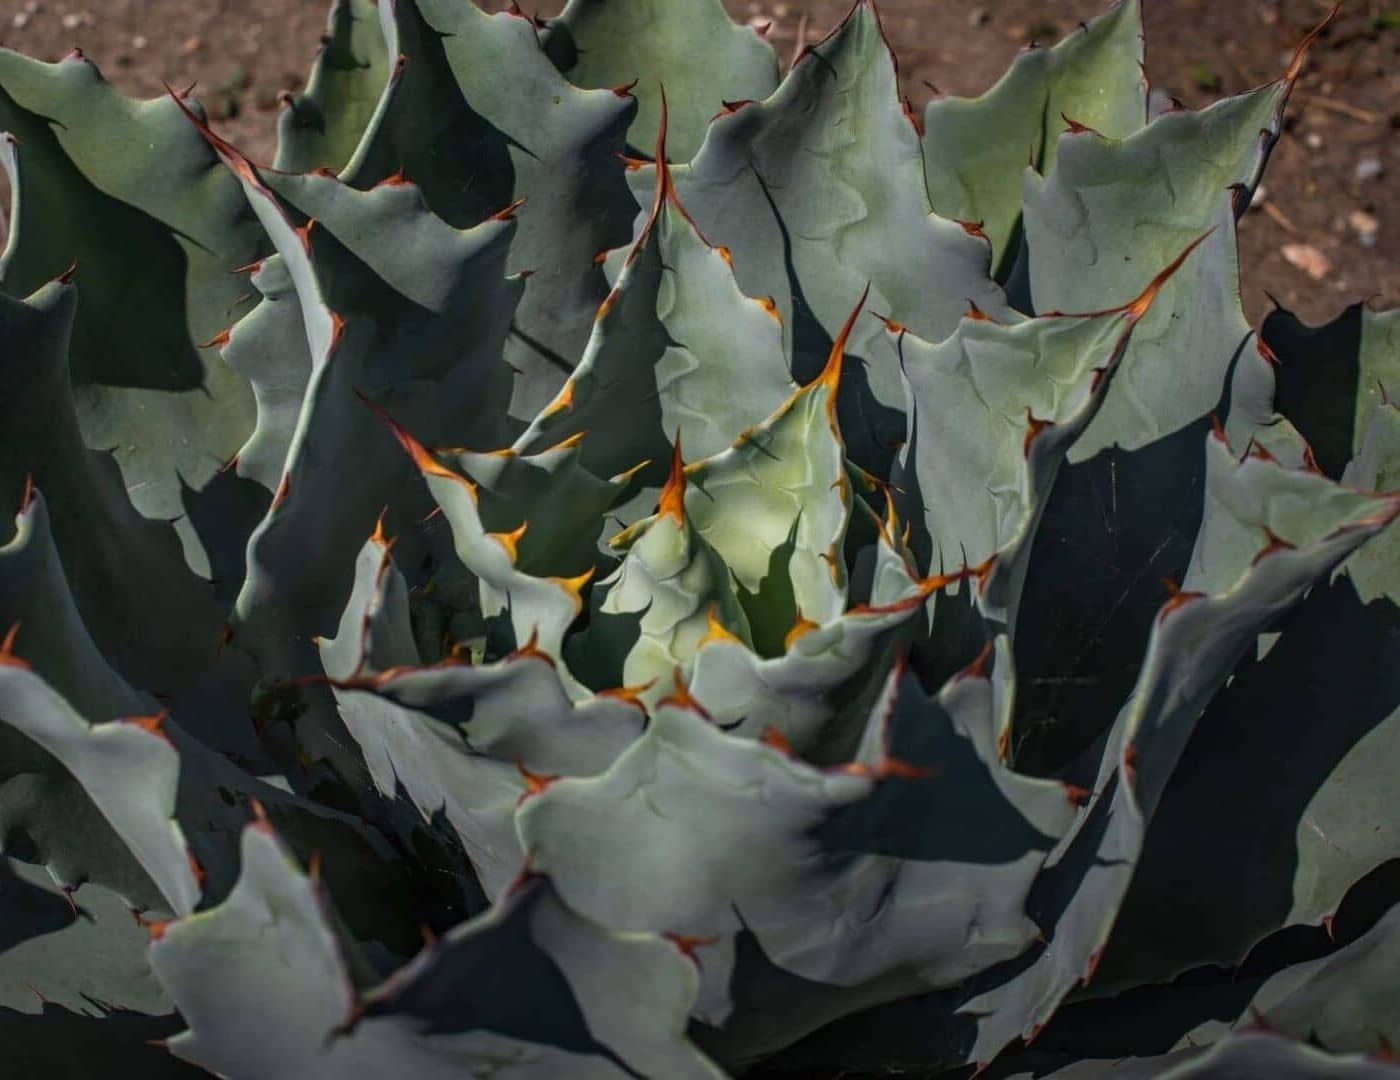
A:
[(242, 53)]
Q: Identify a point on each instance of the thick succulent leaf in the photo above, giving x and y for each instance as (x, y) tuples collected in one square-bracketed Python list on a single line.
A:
[(70, 950), (321, 127), (993, 409), (35, 599), (398, 307), (468, 741), (846, 877), (528, 990), (476, 142), (1332, 377), (554, 494), (1246, 1054), (1305, 735), (1268, 534), (1114, 211), (375, 633), (129, 193), (975, 149), (678, 593), (124, 569), (817, 191), (96, 801), (1348, 1002), (678, 351), (538, 610), (691, 47), (799, 692)]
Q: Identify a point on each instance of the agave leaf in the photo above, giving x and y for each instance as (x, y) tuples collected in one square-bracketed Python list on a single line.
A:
[(687, 854), (129, 193), (527, 990), (1305, 730), (554, 494), (817, 191), (122, 567), (1248, 1053), (677, 351), (475, 143), (538, 610), (1113, 211), (398, 307), (321, 127), (465, 740), (692, 47), (1348, 1002), (70, 950), (975, 149), (1268, 534)]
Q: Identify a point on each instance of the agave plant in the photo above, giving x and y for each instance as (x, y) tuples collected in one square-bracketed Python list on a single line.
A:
[(613, 560)]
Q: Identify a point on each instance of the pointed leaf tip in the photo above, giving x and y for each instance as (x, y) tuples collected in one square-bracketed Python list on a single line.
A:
[(830, 376), (672, 500)]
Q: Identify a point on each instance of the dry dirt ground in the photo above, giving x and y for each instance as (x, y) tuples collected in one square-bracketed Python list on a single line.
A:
[(1332, 192)]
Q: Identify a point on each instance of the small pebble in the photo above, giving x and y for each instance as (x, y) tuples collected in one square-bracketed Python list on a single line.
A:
[(1307, 259), (21, 17), (1369, 169), (1365, 225), (1314, 140), (139, 41)]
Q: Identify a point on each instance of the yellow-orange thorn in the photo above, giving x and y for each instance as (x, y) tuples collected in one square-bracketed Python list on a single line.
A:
[(284, 488), (771, 736), (716, 630), (978, 668), (830, 376), (1176, 596), (7, 649), (156, 928), (153, 724), (625, 90), (260, 820), (724, 253), (564, 444), (378, 538), (688, 945), (800, 628), (1300, 55), (681, 698), (606, 306), (508, 213), (562, 400), (891, 325), (395, 179), (1274, 543), (1004, 744), (26, 498), (631, 695), (1074, 127), (534, 782), (219, 340), (574, 586), (1033, 428), (902, 770), (511, 540), (304, 234), (1077, 796), (532, 649), (1136, 309), (973, 228), (426, 463), (975, 313), (1130, 759), (672, 500)]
